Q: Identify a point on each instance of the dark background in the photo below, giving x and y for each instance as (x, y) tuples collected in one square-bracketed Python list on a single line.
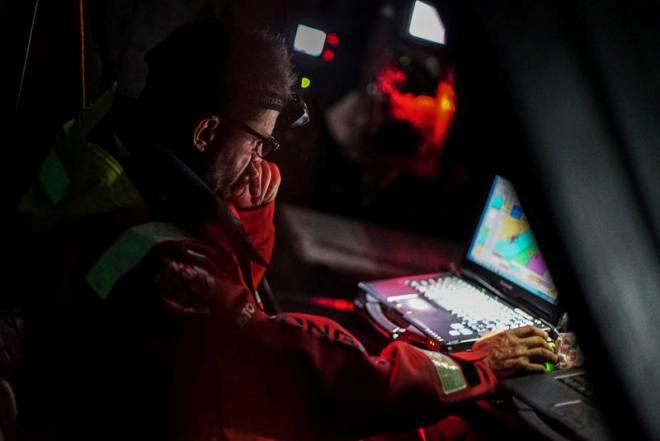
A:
[(353, 194)]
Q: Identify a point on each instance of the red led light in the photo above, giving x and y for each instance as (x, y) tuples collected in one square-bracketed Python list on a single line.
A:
[(332, 39), (328, 54)]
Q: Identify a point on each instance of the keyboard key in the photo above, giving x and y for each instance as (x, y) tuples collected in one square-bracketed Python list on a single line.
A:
[(471, 304)]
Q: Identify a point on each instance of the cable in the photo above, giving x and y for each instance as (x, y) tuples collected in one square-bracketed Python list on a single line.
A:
[(29, 46), (27, 54), (83, 92)]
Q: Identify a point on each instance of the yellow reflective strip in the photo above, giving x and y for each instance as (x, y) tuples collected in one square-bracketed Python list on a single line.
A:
[(54, 178), (128, 252), (450, 373)]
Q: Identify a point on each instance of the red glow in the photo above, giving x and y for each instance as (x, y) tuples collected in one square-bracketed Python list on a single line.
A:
[(336, 304), (332, 39), (328, 54), (432, 115), (445, 109)]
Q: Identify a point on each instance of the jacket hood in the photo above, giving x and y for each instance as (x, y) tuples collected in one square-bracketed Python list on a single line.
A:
[(79, 178)]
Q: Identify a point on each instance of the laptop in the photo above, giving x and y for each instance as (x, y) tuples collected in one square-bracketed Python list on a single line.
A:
[(502, 283)]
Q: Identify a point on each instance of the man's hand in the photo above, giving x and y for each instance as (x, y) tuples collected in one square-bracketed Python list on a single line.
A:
[(257, 186), (516, 351)]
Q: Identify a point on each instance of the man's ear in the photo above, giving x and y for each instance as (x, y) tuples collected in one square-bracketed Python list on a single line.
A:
[(205, 132)]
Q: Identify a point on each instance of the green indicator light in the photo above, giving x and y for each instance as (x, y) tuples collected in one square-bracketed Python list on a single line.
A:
[(405, 60), (305, 82)]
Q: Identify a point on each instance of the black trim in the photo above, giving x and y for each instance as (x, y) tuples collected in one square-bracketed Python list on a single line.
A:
[(469, 372)]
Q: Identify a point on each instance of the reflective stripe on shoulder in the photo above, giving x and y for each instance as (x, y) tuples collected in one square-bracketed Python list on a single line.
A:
[(128, 252), (450, 373), (54, 178)]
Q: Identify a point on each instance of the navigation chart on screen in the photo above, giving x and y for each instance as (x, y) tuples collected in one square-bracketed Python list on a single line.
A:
[(505, 244)]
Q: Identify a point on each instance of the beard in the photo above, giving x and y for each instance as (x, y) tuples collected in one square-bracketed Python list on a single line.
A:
[(223, 171), (218, 178)]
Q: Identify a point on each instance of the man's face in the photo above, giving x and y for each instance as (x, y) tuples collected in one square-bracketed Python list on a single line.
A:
[(233, 150)]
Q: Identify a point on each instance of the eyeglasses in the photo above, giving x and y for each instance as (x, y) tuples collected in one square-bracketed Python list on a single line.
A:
[(268, 144)]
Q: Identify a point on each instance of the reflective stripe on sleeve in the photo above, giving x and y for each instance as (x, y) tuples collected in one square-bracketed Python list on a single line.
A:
[(450, 373), (128, 252)]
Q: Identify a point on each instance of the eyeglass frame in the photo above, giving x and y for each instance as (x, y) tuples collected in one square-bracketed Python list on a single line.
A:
[(266, 140)]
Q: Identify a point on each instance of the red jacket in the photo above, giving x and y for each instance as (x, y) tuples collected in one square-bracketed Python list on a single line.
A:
[(291, 376)]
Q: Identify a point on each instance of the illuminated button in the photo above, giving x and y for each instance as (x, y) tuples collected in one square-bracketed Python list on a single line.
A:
[(466, 331), (454, 333), (456, 325)]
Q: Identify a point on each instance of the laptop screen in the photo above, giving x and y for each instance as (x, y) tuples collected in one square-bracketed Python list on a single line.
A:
[(505, 245)]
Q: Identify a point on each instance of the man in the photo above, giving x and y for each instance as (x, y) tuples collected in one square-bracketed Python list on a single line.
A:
[(161, 213)]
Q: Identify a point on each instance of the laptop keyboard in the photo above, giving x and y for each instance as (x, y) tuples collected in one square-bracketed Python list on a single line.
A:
[(475, 309)]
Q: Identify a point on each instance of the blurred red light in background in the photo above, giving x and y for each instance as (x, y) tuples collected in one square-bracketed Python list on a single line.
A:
[(328, 54), (432, 115), (336, 304), (332, 39)]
